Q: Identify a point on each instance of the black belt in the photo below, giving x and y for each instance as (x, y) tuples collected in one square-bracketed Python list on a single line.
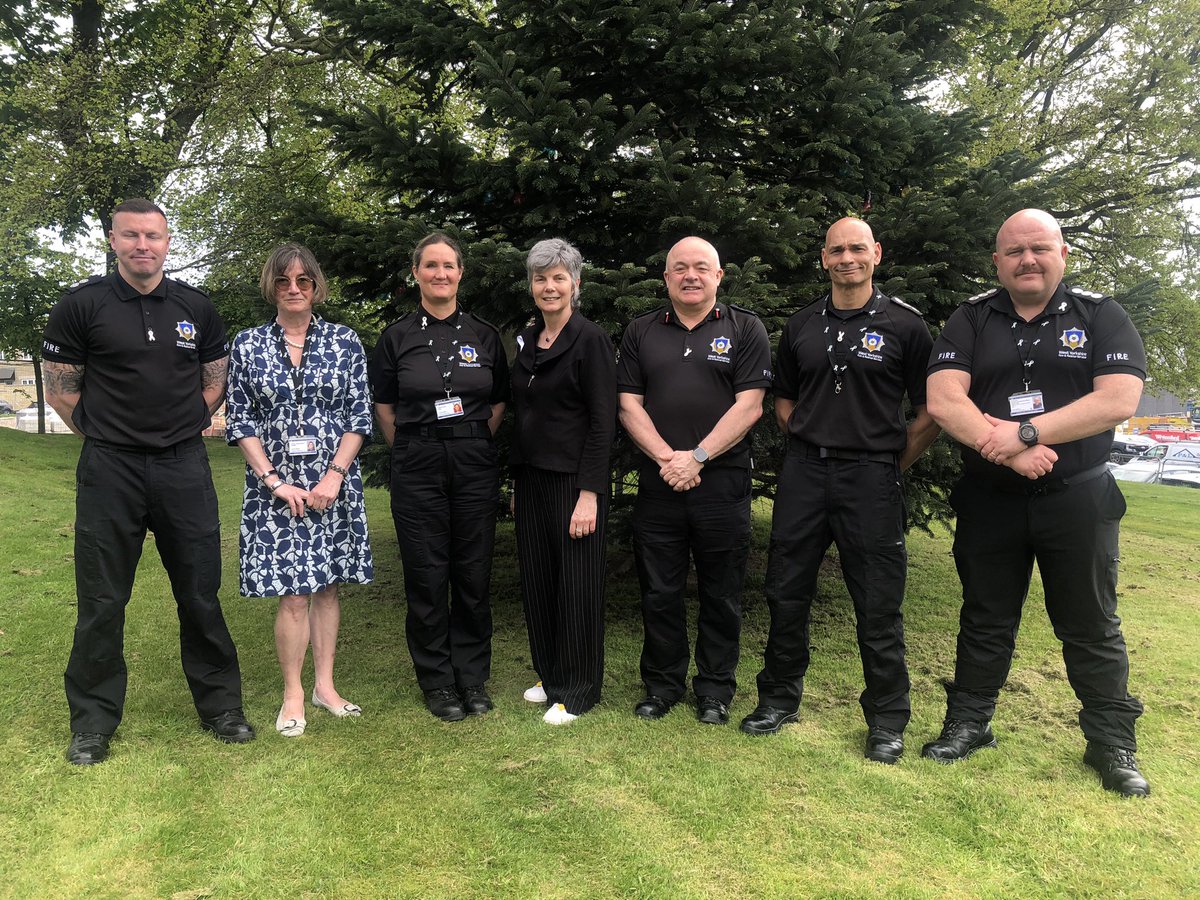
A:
[(447, 432), (174, 449), (1053, 485), (812, 451)]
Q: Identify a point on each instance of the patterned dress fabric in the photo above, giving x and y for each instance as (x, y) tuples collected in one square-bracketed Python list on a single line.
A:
[(280, 553)]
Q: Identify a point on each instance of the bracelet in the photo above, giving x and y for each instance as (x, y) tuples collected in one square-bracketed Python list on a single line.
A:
[(334, 467), (267, 474), (276, 486)]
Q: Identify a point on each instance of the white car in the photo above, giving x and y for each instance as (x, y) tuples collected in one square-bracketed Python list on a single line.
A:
[(1162, 464), (27, 420)]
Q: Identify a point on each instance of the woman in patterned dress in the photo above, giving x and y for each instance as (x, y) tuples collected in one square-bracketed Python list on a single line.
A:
[(299, 410)]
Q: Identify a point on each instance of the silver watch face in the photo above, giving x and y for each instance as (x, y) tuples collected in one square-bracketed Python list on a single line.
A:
[(1028, 433), (699, 455)]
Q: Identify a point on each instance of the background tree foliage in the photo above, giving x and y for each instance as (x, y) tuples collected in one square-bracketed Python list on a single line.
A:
[(1103, 95), (625, 126), (358, 125)]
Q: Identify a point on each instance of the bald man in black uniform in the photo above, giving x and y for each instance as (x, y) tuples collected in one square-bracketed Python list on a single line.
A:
[(843, 368), (1031, 378), (690, 383)]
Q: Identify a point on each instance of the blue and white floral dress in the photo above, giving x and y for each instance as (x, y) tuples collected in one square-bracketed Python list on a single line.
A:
[(280, 553)]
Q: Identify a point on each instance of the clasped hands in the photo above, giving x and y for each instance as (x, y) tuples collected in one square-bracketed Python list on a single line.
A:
[(319, 498), (1001, 445), (679, 469)]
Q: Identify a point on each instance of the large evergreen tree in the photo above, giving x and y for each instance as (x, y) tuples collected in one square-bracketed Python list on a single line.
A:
[(625, 125)]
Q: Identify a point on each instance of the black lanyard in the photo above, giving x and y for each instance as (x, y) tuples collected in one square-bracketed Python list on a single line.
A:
[(836, 348), (297, 369), (1026, 347), (445, 369)]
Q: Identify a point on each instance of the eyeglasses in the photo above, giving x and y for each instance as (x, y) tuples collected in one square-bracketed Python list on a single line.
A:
[(303, 283)]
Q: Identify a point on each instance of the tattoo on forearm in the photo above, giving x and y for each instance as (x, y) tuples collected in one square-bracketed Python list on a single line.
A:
[(62, 378), (213, 374)]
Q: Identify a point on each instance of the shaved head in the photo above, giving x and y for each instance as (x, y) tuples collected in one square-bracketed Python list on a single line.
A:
[(692, 246), (1030, 258), (848, 228), (1029, 220)]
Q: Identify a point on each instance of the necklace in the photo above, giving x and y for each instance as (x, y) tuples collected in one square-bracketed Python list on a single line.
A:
[(285, 337)]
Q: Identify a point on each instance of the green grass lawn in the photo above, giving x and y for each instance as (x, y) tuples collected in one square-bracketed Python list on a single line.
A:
[(399, 804)]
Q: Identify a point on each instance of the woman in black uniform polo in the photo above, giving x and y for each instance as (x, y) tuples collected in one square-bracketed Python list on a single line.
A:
[(565, 397), (440, 378)]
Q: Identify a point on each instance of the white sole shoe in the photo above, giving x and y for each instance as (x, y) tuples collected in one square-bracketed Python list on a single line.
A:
[(535, 694), (558, 715), (346, 709), (289, 727)]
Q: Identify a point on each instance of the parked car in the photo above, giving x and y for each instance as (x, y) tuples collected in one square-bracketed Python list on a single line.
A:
[(27, 420), (6, 408), (1127, 446), (1164, 464)]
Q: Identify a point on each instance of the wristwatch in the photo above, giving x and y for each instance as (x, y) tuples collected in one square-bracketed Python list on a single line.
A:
[(700, 455), (1028, 433)]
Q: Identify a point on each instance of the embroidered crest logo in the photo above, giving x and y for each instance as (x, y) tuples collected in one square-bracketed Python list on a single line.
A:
[(721, 345), (1073, 338), (186, 330), (873, 341), (467, 352)]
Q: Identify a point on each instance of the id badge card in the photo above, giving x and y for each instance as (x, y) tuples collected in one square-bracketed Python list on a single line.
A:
[(302, 445), (1026, 403), (450, 408)]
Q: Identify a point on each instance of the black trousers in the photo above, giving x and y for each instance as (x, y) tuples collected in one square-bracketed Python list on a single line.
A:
[(711, 524), (562, 581), (859, 506), (1073, 535), (120, 493), (444, 498)]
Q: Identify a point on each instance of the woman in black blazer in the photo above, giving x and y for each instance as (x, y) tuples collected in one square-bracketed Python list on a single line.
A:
[(564, 393)]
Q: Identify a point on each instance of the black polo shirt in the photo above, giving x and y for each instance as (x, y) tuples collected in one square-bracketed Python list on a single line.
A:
[(880, 353), (142, 356), (420, 357), (1078, 336), (689, 377)]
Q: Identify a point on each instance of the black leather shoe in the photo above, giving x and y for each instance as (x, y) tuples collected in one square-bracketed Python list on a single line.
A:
[(445, 704), (711, 711), (653, 707), (475, 700), (88, 748), (230, 726), (767, 720), (884, 745), (1118, 769), (959, 740)]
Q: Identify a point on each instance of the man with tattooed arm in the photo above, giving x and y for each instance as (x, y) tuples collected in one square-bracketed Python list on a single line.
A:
[(135, 362)]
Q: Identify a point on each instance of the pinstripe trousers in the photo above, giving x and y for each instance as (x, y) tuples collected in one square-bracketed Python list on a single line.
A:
[(562, 580)]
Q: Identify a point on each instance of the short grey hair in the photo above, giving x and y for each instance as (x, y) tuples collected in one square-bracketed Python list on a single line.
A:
[(554, 252)]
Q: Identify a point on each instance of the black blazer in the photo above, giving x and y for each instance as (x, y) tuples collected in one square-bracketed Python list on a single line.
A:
[(566, 403)]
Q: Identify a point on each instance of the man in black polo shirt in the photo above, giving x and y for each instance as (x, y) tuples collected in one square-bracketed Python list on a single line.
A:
[(691, 380), (1031, 378), (843, 367), (136, 363)]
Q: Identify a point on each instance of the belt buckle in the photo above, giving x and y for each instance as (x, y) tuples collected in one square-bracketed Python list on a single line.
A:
[(443, 432)]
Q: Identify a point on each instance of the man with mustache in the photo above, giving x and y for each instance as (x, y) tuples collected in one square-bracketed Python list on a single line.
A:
[(1030, 378), (844, 367)]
